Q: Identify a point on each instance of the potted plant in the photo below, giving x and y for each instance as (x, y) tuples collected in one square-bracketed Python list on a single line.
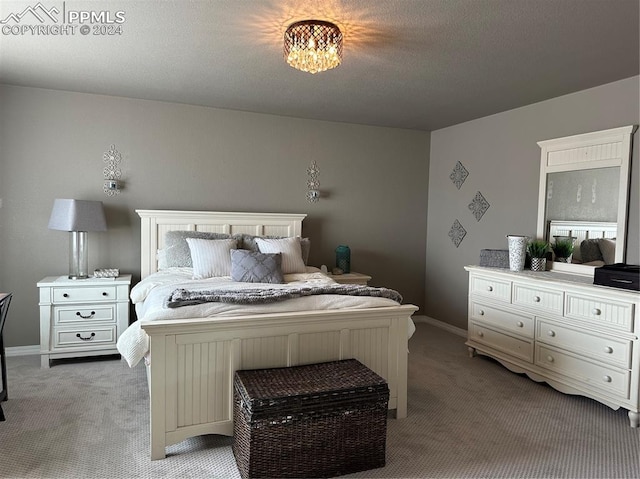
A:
[(563, 249), (538, 250)]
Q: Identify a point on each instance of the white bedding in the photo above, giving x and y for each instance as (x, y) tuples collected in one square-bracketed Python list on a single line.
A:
[(150, 294)]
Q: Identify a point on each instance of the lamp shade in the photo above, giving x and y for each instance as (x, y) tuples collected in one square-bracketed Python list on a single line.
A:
[(77, 215)]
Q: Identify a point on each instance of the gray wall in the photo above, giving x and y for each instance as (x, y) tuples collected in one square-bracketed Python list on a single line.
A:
[(374, 182), (503, 159)]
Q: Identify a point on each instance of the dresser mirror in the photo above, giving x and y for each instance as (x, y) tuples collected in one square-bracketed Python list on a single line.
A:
[(583, 196)]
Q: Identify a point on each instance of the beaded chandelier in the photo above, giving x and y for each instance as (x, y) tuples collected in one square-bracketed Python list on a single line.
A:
[(313, 46)]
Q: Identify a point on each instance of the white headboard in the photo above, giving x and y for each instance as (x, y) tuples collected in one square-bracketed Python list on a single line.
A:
[(582, 230), (155, 223)]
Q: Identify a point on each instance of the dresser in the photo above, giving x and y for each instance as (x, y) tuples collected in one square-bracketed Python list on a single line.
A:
[(81, 317), (561, 329)]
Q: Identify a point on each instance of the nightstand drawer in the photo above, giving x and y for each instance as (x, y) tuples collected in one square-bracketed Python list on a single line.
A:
[(104, 336), (610, 350), (538, 299), (608, 379), (70, 315), (598, 310), (87, 294)]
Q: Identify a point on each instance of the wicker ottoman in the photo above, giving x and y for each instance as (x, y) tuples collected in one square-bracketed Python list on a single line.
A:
[(318, 420)]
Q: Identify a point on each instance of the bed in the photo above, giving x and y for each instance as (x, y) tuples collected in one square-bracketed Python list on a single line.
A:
[(594, 240), (191, 361)]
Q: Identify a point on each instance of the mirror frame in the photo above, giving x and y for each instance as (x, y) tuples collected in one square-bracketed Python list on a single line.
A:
[(599, 149)]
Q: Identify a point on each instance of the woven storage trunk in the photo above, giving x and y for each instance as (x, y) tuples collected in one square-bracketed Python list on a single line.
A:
[(318, 420)]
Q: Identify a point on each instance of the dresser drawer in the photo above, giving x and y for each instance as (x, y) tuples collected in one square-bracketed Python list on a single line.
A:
[(90, 337), (517, 347), (495, 317), (538, 299), (70, 314), (498, 290), (88, 294), (597, 376), (613, 351), (600, 310)]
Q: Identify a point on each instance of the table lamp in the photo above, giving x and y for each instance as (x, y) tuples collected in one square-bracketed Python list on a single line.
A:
[(78, 217)]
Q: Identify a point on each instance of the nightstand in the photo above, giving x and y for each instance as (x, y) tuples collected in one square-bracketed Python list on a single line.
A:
[(82, 317), (351, 278)]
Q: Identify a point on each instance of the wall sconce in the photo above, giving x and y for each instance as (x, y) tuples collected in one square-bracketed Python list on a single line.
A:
[(313, 185), (112, 172)]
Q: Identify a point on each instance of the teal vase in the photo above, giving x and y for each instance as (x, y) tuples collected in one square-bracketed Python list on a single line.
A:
[(343, 258)]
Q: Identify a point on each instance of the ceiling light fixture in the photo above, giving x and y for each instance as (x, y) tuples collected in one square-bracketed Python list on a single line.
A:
[(313, 46)]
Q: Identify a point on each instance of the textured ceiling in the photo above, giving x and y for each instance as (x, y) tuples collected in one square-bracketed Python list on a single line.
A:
[(419, 64)]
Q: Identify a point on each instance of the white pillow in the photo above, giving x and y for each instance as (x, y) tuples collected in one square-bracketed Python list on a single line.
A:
[(608, 250), (290, 249), (211, 258)]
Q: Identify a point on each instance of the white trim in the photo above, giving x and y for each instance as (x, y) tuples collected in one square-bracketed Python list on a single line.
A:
[(440, 324), (23, 350)]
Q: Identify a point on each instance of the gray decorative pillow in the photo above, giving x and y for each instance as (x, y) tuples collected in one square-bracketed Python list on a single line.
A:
[(246, 241), (176, 251), (590, 251), (254, 267)]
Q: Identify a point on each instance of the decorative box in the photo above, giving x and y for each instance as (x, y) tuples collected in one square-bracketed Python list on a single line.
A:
[(495, 258), (317, 420), (106, 273), (618, 275)]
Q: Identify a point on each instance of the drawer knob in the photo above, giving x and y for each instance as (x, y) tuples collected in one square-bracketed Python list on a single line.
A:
[(489, 288), (551, 333), (480, 333), (596, 311), (78, 313), (104, 293), (65, 295), (550, 358), (481, 312), (607, 379), (87, 338), (520, 324), (608, 349), (536, 299)]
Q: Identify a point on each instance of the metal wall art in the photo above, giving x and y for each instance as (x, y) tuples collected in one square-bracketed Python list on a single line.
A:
[(111, 171), (457, 233), (313, 185), (479, 206), (458, 175)]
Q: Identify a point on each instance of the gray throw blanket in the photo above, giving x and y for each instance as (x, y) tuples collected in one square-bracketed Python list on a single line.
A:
[(183, 297)]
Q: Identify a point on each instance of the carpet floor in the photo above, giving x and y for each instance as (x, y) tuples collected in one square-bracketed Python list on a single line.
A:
[(468, 418)]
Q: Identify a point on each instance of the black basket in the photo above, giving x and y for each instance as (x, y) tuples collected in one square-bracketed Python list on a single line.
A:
[(318, 420)]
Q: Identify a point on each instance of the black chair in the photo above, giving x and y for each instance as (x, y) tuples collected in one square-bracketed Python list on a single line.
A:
[(5, 300)]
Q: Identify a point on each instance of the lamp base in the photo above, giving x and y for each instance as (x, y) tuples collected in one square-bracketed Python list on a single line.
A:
[(78, 255)]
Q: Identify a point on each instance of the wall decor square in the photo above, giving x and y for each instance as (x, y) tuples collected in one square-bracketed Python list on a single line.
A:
[(479, 206), (457, 233), (459, 174)]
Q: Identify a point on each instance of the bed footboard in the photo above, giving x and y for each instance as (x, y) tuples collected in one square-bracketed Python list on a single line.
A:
[(193, 361)]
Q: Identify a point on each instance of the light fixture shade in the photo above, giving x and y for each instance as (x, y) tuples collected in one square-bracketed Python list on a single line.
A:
[(313, 46), (77, 215)]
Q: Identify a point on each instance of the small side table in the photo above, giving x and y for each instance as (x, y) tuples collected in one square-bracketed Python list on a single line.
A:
[(82, 317), (351, 278)]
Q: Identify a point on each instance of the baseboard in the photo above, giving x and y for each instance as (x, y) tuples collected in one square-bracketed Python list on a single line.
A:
[(22, 350), (440, 324)]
